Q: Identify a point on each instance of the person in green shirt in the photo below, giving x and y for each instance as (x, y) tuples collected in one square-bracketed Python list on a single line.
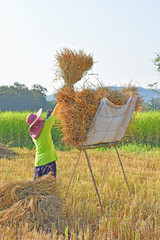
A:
[(40, 132)]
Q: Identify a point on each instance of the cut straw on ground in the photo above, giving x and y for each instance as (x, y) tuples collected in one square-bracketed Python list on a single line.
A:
[(6, 152), (34, 202)]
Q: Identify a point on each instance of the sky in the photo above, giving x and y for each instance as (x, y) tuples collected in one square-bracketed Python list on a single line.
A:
[(123, 37)]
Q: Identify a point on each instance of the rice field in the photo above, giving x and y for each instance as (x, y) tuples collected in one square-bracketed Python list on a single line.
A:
[(124, 216), (146, 128), (14, 130)]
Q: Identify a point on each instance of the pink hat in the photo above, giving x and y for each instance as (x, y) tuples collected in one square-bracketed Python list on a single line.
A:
[(32, 118)]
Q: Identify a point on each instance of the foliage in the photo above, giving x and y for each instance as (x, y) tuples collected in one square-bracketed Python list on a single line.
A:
[(156, 62), (153, 104), (145, 129), (18, 98), (14, 130)]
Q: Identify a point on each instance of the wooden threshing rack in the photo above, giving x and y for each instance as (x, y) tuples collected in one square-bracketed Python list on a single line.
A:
[(112, 144), (99, 145)]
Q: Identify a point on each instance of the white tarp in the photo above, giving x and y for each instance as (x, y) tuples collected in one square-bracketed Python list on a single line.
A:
[(110, 121)]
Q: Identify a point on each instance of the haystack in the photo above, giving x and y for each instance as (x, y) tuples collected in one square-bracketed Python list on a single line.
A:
[(37, 203), (77, 108), (5, 152)]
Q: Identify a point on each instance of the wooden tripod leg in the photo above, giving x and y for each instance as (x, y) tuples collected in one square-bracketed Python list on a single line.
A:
[(122, 169), (73, 173), (93, 178)]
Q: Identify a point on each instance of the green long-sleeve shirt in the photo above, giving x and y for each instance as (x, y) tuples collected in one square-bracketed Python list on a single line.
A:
[(45, 151)]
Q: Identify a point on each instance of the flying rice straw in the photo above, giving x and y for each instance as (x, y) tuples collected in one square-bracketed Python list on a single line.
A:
[(72, 65)]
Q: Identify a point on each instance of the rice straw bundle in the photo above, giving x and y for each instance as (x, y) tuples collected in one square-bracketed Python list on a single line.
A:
[(114, 96), (78, 109), (130, 90), (76, 117), (72, 65), (34, 202)]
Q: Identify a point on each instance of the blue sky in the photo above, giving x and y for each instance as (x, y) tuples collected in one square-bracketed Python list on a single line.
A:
[(123, 37)]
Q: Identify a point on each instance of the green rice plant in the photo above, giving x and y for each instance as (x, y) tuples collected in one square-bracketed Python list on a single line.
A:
[(14, 130), (145, 129)]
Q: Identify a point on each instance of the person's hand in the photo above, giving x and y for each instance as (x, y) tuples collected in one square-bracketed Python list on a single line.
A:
[(57, 110), (49, 113)]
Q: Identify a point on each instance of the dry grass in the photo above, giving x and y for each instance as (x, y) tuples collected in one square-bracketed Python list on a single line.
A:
[(33, 202), (131, 89), (6, 152), (124, 217)]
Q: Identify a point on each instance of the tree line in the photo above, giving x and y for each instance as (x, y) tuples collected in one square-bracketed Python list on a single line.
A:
[(153, 104), (19, 98)]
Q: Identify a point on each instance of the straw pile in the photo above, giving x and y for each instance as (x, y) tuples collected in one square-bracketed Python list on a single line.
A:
[(72, 65), (5, 152), (79, 107), (33, 202), (132, 90)]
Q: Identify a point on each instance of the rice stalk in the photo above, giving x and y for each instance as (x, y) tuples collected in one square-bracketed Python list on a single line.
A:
[(72, 65)]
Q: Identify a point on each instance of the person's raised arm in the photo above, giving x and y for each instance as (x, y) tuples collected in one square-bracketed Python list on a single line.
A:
[(56, 110)]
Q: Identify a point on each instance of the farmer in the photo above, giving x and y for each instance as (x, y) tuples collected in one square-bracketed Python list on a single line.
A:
[(40, 132)]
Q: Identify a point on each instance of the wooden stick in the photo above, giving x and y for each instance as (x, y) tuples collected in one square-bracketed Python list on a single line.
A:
[(108, 155), (122, 169), (93, 178), (73, 173)]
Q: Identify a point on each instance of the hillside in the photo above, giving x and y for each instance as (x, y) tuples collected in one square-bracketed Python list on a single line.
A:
[(145, 92)]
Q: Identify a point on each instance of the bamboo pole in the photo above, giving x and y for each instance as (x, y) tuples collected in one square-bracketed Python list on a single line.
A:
[(73, 174), (122, 169), (93, 178)]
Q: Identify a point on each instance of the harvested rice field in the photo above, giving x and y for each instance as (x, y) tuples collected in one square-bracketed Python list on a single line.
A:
[(30, 210)]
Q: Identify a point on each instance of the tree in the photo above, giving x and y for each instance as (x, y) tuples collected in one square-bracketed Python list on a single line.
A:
[(20, 86), (18, 98), (156, 62), (153, 104), (39, 89)]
